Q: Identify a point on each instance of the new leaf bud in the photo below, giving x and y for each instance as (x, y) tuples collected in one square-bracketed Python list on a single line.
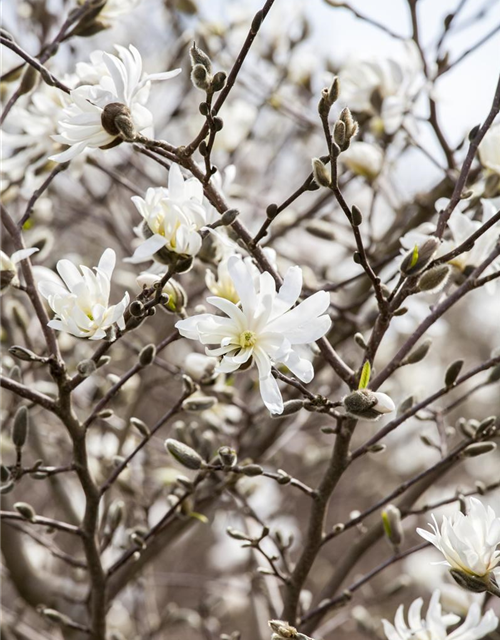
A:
[(228, 456), (147, 355), (251, 470), (289, 407), (21, 353), (339, 133), (418, 354), (418, 258), (453, 372), (357, 217), (20, 427), (188, 457), (478, 449), (487, 427)]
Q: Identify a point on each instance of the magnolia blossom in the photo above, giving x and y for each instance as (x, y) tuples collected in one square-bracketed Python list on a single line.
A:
[(435, 625), (489, 149), (118, 79), (469, 542), (8, 266), (173, 217), (394, 81), (115, 9), (82, 306), (363, 159), (265, 328)]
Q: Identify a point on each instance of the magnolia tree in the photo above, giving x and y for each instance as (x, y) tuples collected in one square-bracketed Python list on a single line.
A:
[(249, 324)]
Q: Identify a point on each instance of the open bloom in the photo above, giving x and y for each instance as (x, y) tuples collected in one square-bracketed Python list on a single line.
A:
[(265, 328), (172, 217), (8, 266), (118, 79), (469, 542), (489, 149), (383, 87), (435, 624), (82, 306)]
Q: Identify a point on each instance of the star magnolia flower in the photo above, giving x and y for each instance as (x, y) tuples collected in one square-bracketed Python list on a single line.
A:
[(172, 217), (82, 309), (363, 159), (120, 80), (8, 266), (435, 625), (265, 328), (489, 149), (396, 82), (468, 542), (114, 9)]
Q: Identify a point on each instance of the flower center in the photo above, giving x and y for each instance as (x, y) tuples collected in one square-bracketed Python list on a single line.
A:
[(247, 339)]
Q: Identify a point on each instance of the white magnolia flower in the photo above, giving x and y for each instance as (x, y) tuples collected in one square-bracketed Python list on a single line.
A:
[(118, 79), (395, 82), (8, 266), (114, 9), (265, 328), (363, 159), (172, 217), (82, 306), (489, 149), (469, 542), (435, 625)]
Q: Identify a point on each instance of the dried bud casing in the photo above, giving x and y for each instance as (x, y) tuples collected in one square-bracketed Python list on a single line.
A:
[(147, 355), (116, 119), (435, 279), (418, 258), (391, 520), (20, 427), (187, 456), (321, 174)]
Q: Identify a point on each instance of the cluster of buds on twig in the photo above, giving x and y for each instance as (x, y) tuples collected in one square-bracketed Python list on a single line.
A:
[(201, 72)]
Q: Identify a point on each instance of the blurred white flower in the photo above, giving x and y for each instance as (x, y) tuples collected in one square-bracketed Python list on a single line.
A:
[(363, 159), (8, 266), (114, 9), (239, 117), (469, 542), (435, 625), (265, 328), (119, 79), (82, 307), (172, 217), (383, 87), (489, 149), (199, 366)]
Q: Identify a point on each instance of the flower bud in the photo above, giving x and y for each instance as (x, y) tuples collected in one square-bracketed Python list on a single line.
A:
[(200, 78), (406, 405), (487, 427), (416, 260), (198, 403), (494, 374), (136, 309), (283, 629), (199, 57), (418, 354), (103, 360), (339, 133), (141, 426), (28, 81), (453, 372), (4, 474), (435, 279), (289, 407), (238, 535), (26, 510), (147, 355), (321, 229), (219, 80), (321, 174), (55, 616), (367, 404), (351, 126), (470, 582), (115, 514), (357, 217), (116, 120), (478, 449), (228, 456), (86, 367), (20, 427), (188, 457), (229, 216), (251, 470), (21, 353), (391, 520)]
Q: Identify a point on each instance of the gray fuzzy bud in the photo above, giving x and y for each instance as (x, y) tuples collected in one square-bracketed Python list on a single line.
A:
[(116, 119), (418, 354), (188, 457), (435, 279), (289, 407), (219, 80), (136, 308), (339, 133), (320, 173), (147, 355), (201, 78), (86, 367), (20, 427), (361, 402), (237, 535), (229, 216), (199, 57), (406, 405), (227, 456), (251, 470), (487, 427), (199, 403), (21, 353), (453, 372)]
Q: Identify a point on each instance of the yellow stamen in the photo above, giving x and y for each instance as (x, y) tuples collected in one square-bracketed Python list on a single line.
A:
[(247, 339)]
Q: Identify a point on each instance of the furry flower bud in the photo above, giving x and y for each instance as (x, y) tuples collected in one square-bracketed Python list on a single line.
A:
[(20, 427), (416, 260), (367, 404), (320, 173), (391, 520), (185, 455)]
